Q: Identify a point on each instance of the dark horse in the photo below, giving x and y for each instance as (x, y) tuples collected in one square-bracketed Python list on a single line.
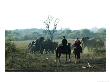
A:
[(63, 50), (77, 51)]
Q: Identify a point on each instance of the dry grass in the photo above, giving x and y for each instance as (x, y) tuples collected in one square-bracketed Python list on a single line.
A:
[(22, 61)]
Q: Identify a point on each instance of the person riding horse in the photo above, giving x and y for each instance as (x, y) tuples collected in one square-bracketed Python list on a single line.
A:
[(63, 49), (77, 42), (77, 48), (64, 43)]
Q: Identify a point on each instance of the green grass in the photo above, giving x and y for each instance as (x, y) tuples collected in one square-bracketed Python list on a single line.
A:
[(22, 61)]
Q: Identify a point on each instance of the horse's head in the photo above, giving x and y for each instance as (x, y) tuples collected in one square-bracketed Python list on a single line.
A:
[(69, 44), (85, 39)]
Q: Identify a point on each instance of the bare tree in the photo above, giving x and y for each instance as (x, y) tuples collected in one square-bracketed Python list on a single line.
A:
[(48, 23)]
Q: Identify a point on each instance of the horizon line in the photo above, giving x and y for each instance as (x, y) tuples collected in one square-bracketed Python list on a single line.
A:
[(57, 29)]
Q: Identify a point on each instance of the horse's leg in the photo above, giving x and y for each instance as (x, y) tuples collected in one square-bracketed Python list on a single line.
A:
[(75, 57), (66, 57), (59, 58), (45, 51), (69, 58), (78, 57), (56, 55)]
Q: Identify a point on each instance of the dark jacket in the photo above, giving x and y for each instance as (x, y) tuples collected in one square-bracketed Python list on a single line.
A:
[(64, 42)]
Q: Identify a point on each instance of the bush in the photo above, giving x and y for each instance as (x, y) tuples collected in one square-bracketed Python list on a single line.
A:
[(9, 48)]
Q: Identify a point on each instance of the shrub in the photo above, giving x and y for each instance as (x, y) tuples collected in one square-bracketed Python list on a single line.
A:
[(9, 48)]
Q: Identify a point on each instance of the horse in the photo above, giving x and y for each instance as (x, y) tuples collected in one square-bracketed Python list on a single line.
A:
[(50, 46), (36, 46), (33, 50), (31, 47), (63, 50), (92, 43), (39, 45), (77, 49)]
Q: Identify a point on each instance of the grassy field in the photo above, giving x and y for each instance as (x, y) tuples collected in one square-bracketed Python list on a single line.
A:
[(23, 61)]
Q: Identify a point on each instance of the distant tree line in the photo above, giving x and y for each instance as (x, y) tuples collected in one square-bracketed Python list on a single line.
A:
[(33, 34)]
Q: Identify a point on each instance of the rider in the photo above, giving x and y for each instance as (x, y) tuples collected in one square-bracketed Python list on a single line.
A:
[(64, 41), (77, 45), (77, 42)]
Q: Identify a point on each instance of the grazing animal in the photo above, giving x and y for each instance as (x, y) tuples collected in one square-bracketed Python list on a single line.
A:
[(32, 50), (92, 43), (40, 46), (31, 47), (50, 46)]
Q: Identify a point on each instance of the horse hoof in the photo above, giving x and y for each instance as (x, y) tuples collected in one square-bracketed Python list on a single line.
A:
[(69, 60)]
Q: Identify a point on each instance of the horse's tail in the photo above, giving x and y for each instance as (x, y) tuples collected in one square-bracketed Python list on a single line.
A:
[(80, 49)]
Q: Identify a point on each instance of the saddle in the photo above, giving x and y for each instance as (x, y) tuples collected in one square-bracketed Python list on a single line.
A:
[(64, 48), (78, 48)]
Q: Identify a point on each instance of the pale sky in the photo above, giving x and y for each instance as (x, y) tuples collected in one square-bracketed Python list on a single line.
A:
[(73, 14)]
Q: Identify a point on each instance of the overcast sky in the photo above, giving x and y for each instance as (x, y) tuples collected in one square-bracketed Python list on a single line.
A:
[(73, 14)]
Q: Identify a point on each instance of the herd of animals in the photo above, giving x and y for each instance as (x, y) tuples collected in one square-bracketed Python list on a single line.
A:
[(42, 46), (48, 46)]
